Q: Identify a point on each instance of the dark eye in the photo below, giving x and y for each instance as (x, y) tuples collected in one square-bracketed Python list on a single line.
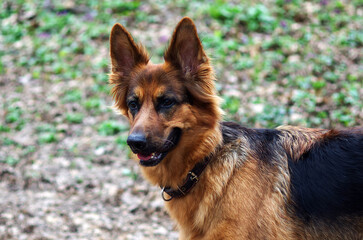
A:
[(133, 106), (167, 103)]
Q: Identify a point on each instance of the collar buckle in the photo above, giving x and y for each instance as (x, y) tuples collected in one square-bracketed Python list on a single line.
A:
[(193, 176)]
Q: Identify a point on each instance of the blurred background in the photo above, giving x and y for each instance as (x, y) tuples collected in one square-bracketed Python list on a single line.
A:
[(65, 171)]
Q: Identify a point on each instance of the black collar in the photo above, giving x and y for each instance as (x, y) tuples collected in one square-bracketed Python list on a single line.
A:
[(189, 182), (230, 132)]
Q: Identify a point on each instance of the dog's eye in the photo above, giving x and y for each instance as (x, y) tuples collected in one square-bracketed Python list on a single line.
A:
[(167, 103), (133, 106)]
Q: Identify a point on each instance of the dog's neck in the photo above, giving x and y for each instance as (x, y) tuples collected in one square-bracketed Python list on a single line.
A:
[(190, 181)]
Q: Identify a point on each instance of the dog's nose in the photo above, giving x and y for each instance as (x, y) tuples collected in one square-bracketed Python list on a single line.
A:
[(137, 142)]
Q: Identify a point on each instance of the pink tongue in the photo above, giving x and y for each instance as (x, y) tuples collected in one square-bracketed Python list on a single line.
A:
[(144, 158)]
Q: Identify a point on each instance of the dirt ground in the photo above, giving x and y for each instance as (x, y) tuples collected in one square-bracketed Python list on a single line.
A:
[(46, 200)]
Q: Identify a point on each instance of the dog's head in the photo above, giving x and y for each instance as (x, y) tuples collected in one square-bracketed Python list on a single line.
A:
[(170, 106)]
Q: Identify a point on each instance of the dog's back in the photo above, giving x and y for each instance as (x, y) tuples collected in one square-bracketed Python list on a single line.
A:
[(315, 176), (327, 186)]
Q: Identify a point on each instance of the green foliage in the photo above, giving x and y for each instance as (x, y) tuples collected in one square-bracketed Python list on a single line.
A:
[(243, 63), (122, 6), (74, 117), (92, 104), (46, 127), (109, 128), (12, 161), (47, 137), (28, 150), (224, 11), (258, 18), (13, 114), (4, 128), (7, 141), (231, 104), (121, 140), (47, 133), (272, 116), (14, 119), (254, 18), (72, 96)]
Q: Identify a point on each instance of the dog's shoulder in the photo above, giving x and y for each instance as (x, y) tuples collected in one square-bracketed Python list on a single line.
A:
[(232, 131), (261, 144)]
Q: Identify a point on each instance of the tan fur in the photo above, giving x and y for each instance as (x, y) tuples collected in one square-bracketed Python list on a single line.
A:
[(237, 197)]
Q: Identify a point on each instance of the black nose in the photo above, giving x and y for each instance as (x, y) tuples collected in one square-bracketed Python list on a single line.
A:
[(137, 142)]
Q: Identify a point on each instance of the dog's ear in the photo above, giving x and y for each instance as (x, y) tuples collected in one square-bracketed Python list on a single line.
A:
[(124, 52), (185, 50), (186, 53), (125, 56)]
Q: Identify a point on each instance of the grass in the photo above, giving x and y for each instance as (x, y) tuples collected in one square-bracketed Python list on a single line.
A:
[(74, 117), (277, 62), (109, 128)]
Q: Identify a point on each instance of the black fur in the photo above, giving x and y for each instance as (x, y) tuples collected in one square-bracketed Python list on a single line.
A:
[(231, 131), (327, 181), (262, 141)]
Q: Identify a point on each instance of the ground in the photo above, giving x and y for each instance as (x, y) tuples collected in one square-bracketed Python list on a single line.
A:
[(65, 170)]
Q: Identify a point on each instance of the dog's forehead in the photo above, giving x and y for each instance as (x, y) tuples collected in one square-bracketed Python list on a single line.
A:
[(142, 92), (155, 81)]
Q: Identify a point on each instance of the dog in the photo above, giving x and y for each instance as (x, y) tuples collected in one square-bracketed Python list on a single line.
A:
[(220, 180)]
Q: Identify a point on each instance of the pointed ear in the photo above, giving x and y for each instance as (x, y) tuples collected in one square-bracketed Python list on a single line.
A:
[(185, 50), (124, 52), (125, 56)]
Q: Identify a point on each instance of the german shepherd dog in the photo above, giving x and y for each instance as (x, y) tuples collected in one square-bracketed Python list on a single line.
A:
[(223, 181)]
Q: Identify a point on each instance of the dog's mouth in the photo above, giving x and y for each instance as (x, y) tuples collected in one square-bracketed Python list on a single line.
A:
[(155, 157), (152, 159)]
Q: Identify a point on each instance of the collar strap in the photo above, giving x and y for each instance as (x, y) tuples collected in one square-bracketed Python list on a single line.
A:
[(189, 182)]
